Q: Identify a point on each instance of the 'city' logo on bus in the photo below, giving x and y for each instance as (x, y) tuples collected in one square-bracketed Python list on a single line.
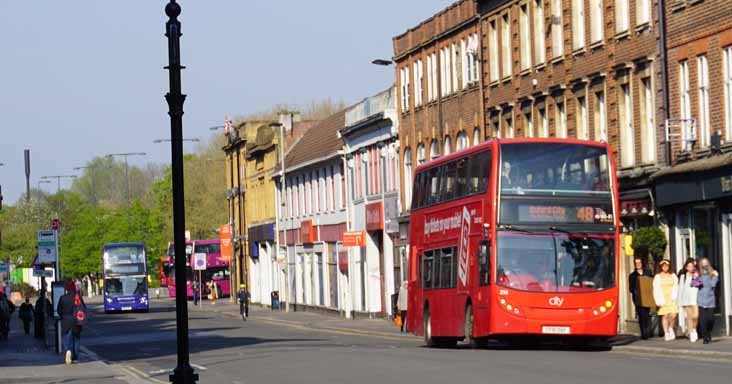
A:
[(556, 301)]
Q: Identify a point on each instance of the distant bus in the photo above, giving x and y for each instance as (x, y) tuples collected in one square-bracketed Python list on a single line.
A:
[(217, 269), (172, 269), (125, 277), (512, 238)]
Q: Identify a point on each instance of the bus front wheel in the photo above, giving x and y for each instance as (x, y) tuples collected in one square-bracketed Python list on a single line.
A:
[(429, 342)]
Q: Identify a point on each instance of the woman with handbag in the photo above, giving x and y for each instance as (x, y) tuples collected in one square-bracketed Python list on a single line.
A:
[(706, 299)]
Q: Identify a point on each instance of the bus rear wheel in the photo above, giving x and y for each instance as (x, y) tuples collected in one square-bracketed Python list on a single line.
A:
[(468, 327), (434, 342)]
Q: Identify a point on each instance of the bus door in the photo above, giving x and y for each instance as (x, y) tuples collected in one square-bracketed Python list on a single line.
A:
[(414, 289)]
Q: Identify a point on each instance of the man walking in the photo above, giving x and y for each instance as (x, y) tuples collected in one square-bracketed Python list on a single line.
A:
[(69, 306), (243, 302), (26, 314)]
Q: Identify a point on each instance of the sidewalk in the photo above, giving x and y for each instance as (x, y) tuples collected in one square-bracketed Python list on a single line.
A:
[(720, 349), (25, 359)]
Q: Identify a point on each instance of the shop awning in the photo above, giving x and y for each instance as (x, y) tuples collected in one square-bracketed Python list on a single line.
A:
[(636, 202), (698, 180)]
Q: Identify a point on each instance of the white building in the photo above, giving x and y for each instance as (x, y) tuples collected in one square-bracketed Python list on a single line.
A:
[(372, 157)]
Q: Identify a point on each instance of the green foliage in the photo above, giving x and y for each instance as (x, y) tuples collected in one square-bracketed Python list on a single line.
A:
[(25, 289), (649, 242)]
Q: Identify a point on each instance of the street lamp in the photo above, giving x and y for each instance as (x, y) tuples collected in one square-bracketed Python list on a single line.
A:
[(92, 170), (58, 179), (382, 62), (127, 175), (158, 141), (183, 373), (38, 187)]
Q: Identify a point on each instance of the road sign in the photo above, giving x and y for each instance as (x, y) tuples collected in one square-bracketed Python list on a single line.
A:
[(42, 272), (199, 261), (4, 267), (55, 224), (47, 247)]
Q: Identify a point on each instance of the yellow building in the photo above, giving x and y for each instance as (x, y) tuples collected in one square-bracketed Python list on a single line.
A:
[(252, 156)]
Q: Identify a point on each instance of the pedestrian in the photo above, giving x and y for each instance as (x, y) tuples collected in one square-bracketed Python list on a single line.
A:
[(214, 291), (41, 313), (640, 286), (665, 293), (26, 314), (5, 314), (68, 309), (194, 288), (243, 302), (709, 278), (688, 290), (402, 305)]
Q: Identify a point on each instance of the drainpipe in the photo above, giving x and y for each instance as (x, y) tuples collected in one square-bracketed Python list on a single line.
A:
[(664, 71)]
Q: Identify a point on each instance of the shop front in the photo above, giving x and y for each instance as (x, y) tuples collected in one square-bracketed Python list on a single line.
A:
[(263, 263), (695, 199)]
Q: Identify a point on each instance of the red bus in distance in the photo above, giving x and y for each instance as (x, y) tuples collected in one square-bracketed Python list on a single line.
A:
[(515, 237)]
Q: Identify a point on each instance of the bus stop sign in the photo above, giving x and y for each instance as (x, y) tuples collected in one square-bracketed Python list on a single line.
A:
[(199, 261)]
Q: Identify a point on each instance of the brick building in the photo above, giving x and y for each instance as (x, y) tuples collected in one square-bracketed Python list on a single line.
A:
[(585, 69), (695, 194), (438, 90)]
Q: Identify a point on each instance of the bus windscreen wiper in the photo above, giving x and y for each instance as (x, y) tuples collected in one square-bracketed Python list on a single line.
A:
[(557, 229), (515, 229)]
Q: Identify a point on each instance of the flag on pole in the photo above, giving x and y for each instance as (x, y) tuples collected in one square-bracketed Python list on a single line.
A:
[(228, 126)]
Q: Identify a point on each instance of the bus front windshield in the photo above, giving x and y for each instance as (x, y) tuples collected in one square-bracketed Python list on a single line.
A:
[(555, 262), (554, 169), (125, 285)]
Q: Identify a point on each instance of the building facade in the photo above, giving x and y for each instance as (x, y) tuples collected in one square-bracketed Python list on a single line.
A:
[(439, 92), (584, 69), (371, 152), (695, 194), (311, 197), (235, 164)]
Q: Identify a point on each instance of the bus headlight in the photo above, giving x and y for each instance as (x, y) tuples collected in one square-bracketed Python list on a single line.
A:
[(608, 304)]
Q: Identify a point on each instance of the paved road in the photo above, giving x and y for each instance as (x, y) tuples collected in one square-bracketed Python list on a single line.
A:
[(226, 350)]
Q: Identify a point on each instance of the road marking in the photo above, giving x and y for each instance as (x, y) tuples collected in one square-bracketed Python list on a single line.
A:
[(159, 372), (202, 368)]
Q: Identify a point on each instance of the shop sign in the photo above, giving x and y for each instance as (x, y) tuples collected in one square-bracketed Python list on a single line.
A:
[(343, 262), (726, 184), (307, 232), (374, 217), (226, 245), (354, 239)]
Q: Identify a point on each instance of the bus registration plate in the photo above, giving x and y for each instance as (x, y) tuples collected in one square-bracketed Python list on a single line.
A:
[(555, 330), (126, 308)]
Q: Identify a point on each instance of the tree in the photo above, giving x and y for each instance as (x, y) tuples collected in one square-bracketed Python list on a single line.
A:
[(649, 242)]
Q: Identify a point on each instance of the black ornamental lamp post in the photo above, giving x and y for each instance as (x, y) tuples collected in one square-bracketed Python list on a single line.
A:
[(183, 373)]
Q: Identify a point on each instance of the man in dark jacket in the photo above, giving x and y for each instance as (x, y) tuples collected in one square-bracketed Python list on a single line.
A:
[(641, 309), (70, 330), (243, 302), (26, 314), (41, 314)]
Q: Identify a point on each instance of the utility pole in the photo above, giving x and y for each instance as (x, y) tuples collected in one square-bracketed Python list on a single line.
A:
[(58, 180), (183, 373), (127, 175), (26, 155)]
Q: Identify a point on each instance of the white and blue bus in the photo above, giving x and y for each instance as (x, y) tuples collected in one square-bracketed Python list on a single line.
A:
[(125, 277)]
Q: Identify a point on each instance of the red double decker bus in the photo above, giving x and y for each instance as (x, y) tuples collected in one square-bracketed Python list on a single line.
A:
[(512, 238)]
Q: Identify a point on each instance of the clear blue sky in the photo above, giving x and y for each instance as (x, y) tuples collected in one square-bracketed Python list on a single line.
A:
[(80, 79)]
